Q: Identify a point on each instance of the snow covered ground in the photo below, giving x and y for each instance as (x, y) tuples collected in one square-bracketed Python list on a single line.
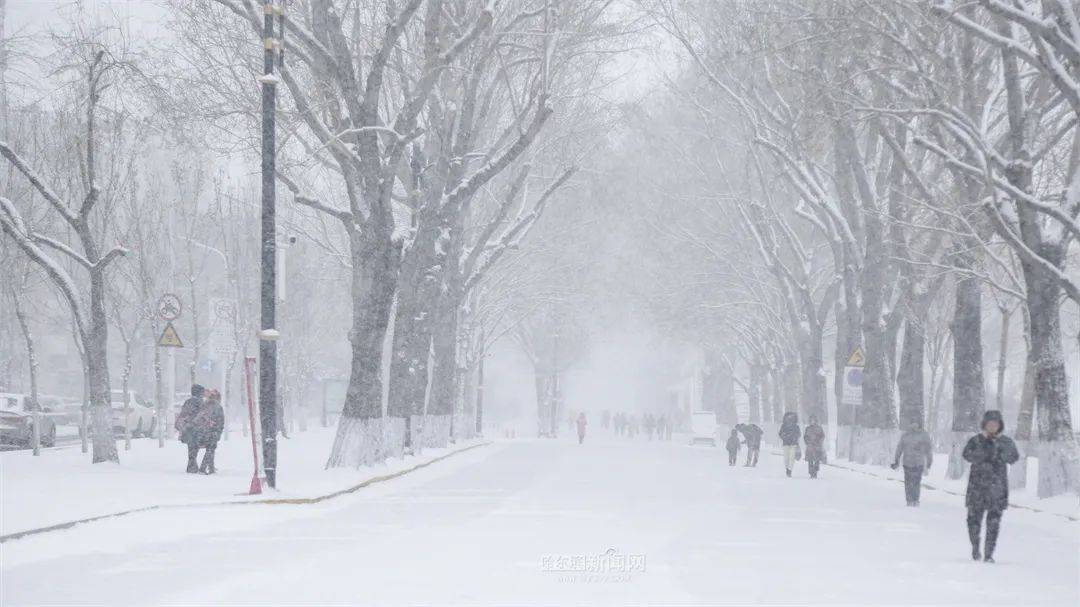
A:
[(61, 485), (532, 522)]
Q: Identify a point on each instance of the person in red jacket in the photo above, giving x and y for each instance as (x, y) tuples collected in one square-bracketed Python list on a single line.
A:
[(581, 422)]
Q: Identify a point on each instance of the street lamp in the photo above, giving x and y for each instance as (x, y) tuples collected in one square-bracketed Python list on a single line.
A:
[(224, 377)]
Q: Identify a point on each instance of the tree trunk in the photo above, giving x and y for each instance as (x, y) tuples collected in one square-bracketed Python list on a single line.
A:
[(31, 366), (1003, 357), (813, 383), (444, 373), (753, 395), (362, 437), (480, 389), (97, 366), (1057, 462), (969, 398), (909, 377)]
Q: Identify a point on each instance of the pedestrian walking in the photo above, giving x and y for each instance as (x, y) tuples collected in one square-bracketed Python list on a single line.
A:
[(990, 452), (916, 452), (733, 443), (649, 423), (661, 428), (814, 438), (789, 438), (753, 434), (209, 423), (185, 426), (581, 423)]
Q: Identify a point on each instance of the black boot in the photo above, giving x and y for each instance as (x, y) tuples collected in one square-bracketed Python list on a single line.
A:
[(789, 472)]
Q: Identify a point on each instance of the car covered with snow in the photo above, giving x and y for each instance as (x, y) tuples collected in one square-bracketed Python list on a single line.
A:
[(132, 413), (17, 419)]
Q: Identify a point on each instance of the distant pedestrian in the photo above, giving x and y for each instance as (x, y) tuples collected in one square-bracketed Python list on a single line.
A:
[(990, 452), (789, 439), (605, 419), (185, 426), (917, 451), (753, 434), (814, 437), (661, 428), (581, 423), (733, 443), (649, 423), (209, 423)]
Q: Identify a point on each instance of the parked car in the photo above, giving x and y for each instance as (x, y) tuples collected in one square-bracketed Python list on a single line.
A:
[(132, 413), (17, 421)]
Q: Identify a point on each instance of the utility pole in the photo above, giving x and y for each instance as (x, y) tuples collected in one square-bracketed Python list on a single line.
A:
[(268, 334)]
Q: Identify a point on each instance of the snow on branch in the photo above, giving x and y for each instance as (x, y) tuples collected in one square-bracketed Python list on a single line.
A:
[(38, 183), (12, 224)]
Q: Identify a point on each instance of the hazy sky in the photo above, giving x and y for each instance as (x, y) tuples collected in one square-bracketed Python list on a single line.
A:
[(26, 17)]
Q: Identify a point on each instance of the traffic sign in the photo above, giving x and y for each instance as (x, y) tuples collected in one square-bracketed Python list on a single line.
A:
[(223, 309), (223, 312), (169, 307), (857, 358), (853, 381), (169, 337)]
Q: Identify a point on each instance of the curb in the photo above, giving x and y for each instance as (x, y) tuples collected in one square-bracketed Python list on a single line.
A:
[(926, 485), (274, 501)]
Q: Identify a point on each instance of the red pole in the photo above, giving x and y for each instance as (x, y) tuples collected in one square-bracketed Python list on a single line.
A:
[(256, 485)]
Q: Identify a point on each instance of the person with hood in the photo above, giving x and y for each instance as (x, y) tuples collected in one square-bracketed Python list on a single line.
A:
[(209, 423), (185, 426), (789, 437), (733, 443), (814, 437), (753, 434), (918, 453), (990, 452), (581, 422)]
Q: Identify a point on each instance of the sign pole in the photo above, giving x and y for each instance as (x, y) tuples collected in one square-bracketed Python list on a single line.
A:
[(169, 308)]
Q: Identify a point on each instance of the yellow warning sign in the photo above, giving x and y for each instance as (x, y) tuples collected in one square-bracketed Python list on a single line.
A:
[(170, 338), (857, 359)]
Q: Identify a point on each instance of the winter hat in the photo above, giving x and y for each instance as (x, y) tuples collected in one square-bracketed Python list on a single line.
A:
[(993, 415), (197, 390)]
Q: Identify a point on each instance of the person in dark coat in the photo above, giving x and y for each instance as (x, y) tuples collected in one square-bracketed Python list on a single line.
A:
[(209, 424), (789, 439), (917, 451), (185, 426), (732, 445), (753, 434), (990, 452), (814, 437)]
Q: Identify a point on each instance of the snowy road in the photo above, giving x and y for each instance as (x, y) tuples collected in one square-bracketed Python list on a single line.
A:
[(477, 527)]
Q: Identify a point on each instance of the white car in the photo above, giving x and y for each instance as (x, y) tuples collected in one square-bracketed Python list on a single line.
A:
[(17, 420), (132, 413)]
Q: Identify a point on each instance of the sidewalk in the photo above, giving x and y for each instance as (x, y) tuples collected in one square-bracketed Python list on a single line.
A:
[(62, 486)]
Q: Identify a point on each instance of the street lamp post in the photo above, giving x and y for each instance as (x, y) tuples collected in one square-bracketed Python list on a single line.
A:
[(267, 322), (220, 355)]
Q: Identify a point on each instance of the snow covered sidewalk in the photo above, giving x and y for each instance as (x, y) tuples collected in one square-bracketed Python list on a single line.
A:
[(62, 486), (551, 522)]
